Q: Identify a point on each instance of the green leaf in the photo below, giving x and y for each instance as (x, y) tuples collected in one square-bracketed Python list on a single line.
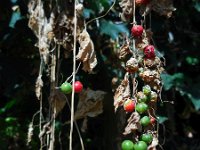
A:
[(192, 60), (168, 81), (10, 104), (161, 119), (197, 6), (10, 119), (192, 93), (87, 13), (172, 80), (16, 15), (111, 29), (106, 3)]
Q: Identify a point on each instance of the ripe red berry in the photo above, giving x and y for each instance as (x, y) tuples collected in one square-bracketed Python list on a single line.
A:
[(141, 2), (137, 30), (129, 105), (78, 87), (152, 120), (149, 51)]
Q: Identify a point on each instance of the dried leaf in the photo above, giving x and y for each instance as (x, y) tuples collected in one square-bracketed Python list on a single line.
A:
[(79, 9), (42, 27), (163, 7), (122, 92), (124, 51), (141, 43), (154, 143), (133, 124), (132, 65), (58, 101), (38, 86), (127, 9), (90, 104), (153, 63), (30, 133), (86, 52)]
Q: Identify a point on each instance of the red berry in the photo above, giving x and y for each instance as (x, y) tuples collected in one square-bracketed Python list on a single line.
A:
[(142, 2), (149, 51), (153, 120), (78, 87), (129, 105), (137, 30)]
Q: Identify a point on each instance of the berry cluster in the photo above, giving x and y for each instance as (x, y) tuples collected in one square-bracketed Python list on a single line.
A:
[(145, 66), (66, 87), (141, 105)]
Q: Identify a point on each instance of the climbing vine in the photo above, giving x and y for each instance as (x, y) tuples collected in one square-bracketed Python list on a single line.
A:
[(59, 26), (140, 90)]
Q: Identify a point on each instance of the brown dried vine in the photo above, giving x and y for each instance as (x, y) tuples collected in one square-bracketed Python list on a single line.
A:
[(58, 25)]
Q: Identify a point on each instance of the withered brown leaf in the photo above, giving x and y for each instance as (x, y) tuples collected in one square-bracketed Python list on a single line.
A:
[(133, 123), (154, 143), (86, 52), (42, 26), (58, 101), (127, 9), (124, 51), (38, 86), (122, 92), (141, 43), (90, 104), (163, 7)]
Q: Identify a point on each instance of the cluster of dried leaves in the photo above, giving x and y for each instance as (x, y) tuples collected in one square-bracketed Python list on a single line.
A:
[(162, 7), (54, 25)]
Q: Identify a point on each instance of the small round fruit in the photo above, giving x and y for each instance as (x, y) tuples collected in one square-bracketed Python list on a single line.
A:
[(78, 87), (66, 88), (154, 96), (147, 138), (137, 30), (146, 90), (142, 97), (141, 108), (145, 121), (127, 145), (141, 145), (129, 105), (149, 52), (141, 2), (153, 120)]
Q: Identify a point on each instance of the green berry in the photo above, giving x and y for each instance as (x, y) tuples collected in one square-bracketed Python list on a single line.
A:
[(66, 88), (145, 121), (154, 96), (146, 90), (141, 108), (127, 145), (142, 97), (147, 138), (141, 145)]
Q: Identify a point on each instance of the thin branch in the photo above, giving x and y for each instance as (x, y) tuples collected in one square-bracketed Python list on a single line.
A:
[(102, 15), (73, 80)]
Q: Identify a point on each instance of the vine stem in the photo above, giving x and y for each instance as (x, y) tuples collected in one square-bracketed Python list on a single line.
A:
[(76, 125), (73, 79), (102, 15), (40, 75), (134, 22)]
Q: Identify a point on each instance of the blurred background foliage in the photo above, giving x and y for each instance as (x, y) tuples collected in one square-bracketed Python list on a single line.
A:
[(177, 39)]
